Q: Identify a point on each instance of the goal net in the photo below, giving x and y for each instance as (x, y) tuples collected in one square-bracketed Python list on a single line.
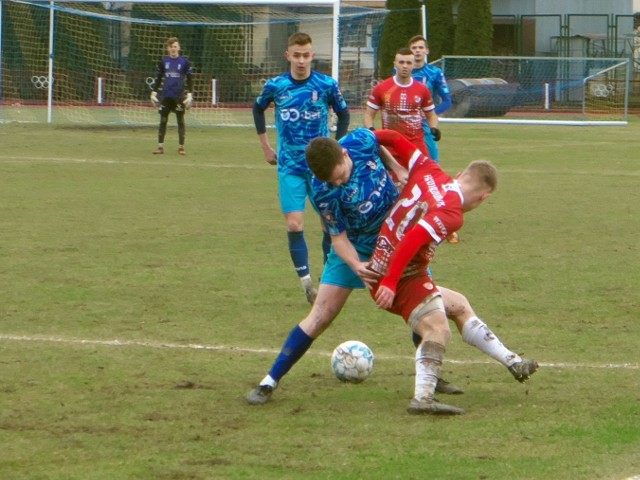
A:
[(537, 89), (94, 62)]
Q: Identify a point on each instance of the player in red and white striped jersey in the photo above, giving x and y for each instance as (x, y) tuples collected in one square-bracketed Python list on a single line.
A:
[(404, 102), (432, 205)]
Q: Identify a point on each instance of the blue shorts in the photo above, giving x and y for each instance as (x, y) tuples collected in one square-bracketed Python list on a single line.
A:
[(338, 273), (293, 191)]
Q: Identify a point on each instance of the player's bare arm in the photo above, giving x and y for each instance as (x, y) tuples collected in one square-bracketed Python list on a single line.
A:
[(347, 252), (268, 151), (369, 117), (432, 118), (401, 173)]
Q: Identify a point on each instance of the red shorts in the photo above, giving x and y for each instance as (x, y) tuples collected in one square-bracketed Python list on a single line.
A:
[(410, 292)]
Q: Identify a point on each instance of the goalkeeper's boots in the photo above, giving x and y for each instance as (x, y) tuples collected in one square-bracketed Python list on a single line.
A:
[(158, 151), (181, 150), (260, 395), (522, 370), (448, 388), (425, 406)]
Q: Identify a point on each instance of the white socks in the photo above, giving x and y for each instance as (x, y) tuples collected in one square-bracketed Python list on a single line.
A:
[(475, 332), (429, 357), (269, 381)]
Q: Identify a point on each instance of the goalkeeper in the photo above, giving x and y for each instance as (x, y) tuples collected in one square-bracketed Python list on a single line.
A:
[(173, 81)]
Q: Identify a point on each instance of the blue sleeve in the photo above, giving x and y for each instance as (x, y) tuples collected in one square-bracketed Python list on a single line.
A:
[(266, 97), (337, 102), (442, 90)]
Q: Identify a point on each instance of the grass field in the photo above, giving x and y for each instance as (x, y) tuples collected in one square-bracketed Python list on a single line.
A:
[(141, 297)]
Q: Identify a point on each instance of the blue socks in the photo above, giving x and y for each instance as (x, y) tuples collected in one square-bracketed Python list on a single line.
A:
[(299, 253), (295, 346)]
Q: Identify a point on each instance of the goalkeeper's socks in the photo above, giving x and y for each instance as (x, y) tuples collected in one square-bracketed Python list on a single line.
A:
[(475, 332), (299, 253), (295, 346)]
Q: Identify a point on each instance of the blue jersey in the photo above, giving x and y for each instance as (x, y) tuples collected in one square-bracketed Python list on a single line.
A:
[(175, 76), (359, 206), (433, 78), (301, 114)]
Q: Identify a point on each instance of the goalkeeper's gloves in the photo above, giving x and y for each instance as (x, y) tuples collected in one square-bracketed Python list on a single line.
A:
[(437, 135), (154, 98), (188, 101)]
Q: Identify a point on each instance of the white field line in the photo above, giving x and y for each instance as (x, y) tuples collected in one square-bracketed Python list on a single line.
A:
[(259, 165), (229, 348), (60, 160)]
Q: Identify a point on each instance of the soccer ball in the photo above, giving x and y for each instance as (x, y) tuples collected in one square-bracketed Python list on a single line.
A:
[(352, 361)]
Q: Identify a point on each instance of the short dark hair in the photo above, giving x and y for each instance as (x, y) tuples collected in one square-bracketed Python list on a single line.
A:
[(323, 154), (417, 38)]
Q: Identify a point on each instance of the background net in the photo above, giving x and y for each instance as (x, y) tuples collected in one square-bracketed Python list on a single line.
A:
[(537, 88), (105, 55)]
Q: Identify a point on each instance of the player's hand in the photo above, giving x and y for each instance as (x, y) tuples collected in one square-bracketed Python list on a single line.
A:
[(384, 297), (270, 155), (437, 134), (368, 276), (188, 101), (402, 177), (154, 98)]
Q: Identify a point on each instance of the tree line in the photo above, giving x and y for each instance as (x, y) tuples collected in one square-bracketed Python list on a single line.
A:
[(471, 33)]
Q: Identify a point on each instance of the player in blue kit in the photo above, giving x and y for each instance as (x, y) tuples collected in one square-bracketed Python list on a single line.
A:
[(433, 78), (302, 99), (173, 76), (353, 192)]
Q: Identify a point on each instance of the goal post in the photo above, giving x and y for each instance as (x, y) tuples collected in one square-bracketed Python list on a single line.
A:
[(537, 90), (94, 62)]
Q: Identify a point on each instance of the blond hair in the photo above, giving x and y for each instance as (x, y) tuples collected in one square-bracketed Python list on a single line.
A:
[(484, 174)]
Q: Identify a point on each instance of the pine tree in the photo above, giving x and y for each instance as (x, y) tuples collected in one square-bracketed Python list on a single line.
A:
[(402, 23), (441, 30), (474, 28)]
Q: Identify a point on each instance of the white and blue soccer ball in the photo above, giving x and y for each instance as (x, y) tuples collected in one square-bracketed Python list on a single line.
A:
[(352, 361)]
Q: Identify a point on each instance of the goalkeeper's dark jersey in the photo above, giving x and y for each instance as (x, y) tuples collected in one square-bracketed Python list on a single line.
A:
[(173, 77)]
